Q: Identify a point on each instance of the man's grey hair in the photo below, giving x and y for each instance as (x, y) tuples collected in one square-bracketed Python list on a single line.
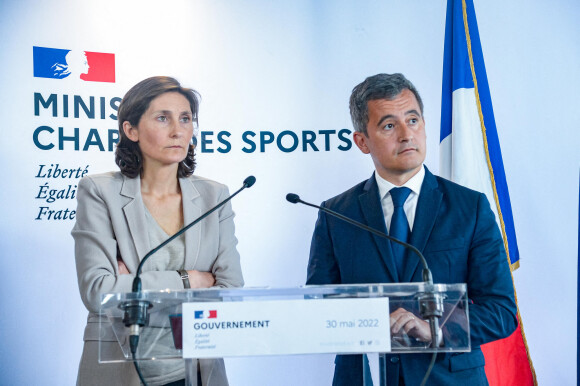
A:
[(380, 86)]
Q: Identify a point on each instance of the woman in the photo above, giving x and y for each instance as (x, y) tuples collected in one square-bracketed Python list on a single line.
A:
[(123, 215)]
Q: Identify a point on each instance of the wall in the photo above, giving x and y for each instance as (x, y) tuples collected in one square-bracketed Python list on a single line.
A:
[(274, 67)]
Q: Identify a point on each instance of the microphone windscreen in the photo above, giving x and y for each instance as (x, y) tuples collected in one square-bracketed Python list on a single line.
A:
[(248, 182), (293, 198)]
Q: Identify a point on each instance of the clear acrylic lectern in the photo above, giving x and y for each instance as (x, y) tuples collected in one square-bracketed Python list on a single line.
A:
[(173, 316)]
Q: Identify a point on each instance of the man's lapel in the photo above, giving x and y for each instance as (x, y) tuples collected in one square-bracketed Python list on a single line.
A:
[(373, 213), (425, 216)]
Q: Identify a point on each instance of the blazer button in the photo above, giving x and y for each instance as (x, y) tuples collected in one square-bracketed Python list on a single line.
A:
[(394, 359)]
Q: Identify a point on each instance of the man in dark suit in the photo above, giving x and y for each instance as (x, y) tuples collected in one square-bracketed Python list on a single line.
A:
[(451, 225)]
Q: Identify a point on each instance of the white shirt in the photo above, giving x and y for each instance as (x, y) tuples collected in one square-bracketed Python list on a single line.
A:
[(410, 206)]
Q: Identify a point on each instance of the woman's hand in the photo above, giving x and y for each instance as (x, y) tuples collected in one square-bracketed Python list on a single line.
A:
[(123, 270), (198, 279)]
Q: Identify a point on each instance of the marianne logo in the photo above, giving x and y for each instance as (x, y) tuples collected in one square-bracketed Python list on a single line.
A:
[(58, 63), (205, 314)]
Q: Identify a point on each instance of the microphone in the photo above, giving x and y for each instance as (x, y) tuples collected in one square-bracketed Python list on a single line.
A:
[(430, 303), (248, 182), (427, 276), (136, 311)]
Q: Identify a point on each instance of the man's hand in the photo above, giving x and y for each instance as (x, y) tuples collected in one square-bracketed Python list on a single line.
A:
[(405, 322)]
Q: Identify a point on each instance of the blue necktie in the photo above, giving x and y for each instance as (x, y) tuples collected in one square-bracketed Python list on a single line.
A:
[(399, 225)]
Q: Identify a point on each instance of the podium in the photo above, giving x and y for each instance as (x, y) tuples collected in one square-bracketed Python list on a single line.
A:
[(254, 322)]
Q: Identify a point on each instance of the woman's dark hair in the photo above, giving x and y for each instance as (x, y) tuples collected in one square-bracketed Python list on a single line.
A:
[(134, 104)]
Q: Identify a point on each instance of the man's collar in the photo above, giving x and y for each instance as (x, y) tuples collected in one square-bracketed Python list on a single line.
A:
[(414, 183)]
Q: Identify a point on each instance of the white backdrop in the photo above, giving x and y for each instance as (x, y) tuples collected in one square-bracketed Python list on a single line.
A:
[(273, 66)]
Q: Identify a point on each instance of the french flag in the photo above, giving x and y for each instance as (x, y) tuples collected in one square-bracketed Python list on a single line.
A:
[(211, 314), (57, 63), (470, 155)]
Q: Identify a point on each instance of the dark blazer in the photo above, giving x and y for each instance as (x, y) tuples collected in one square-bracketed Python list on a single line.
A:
[(456, 230)]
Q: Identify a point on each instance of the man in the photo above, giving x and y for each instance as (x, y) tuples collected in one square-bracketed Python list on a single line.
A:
[(451, 225)]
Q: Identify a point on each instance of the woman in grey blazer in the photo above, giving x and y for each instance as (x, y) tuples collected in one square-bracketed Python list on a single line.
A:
[(123, 215)]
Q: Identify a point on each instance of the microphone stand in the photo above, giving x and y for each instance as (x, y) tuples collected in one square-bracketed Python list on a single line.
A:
[(430, 302), (136, 313)]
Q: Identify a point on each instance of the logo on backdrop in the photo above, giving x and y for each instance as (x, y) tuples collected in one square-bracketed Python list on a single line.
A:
[(60, 63), (212, 314), (78, 122)]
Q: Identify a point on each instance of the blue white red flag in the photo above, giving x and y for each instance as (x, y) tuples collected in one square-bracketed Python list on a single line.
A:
[(470, 155), (59, 63), (205, 314)]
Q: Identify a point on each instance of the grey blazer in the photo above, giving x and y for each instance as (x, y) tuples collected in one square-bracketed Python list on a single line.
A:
[(110, 221)]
